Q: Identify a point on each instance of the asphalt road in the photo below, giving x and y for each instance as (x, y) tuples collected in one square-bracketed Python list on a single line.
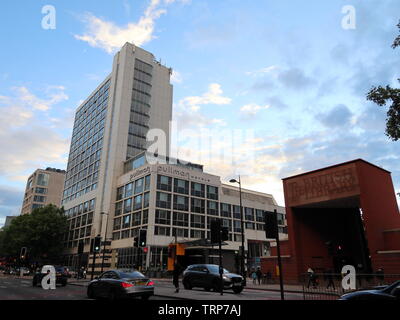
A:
[(12, 288)]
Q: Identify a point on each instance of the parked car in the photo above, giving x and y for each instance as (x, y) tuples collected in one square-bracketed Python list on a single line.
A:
[(118, 284), (61, 276), (390, 292), (207, 276)]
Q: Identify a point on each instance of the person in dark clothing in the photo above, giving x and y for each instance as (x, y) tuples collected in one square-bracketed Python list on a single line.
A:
[(175, 276), (259, 275)]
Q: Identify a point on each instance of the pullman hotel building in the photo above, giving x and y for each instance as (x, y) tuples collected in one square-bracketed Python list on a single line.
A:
[(111, 190)]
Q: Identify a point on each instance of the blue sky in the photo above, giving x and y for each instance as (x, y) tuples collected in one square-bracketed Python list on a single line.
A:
[(287, 70)]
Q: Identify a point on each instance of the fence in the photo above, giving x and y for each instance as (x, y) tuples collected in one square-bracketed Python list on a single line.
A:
[(329, 286)]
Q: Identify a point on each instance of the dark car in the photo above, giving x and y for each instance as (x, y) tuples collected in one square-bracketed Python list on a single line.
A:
[(207, 276), (391, 292), (61, 276), (119, 284)]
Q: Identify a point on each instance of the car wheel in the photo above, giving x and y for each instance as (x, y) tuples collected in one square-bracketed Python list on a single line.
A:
[(90, 293), (237, 289), (186, 285)]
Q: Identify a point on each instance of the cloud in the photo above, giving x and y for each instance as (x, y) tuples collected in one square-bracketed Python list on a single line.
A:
[(111, 37), (176, 77), (262, 71), (339, 116), (251, 110), (10, 201), (212, 96), (295, 79)]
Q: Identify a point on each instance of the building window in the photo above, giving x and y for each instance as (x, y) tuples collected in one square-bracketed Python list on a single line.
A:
[(198, 189), (86, 207), (146, 200), (236, 212), (116, 235), (120, 193), (212, 192), (39, 198), (162, 231), (260, 227), (181, 233), (126, 221), (92, 204), (164, 183), (197, 221), (163, 200), (197, 205), (136, 219), (43, 179), (147, 183), (163, 217), (197, 234), (237, 226), (117, 224), (227, 224), (181, 203), (250, 225), (238, 238), (180, 219), (281, 219), (181, 186), (138, 202), (249, 214), (125, 234), (90, 218), (226, 210), (41, 190), (128, 205), (259, 215), (145, 216), (118, 208), (139, 186), (212, 208), (128, 190)]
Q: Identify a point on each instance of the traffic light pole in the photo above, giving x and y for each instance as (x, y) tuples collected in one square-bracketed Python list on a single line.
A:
[(278, 247)]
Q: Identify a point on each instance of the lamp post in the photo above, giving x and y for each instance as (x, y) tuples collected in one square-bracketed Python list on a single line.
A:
[(104, 243), (242, 226)]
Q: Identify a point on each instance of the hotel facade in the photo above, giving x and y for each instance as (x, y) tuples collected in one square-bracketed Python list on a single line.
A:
[(112, 190)]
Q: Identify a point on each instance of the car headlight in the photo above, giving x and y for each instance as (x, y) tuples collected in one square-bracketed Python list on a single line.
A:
[(226, 278)]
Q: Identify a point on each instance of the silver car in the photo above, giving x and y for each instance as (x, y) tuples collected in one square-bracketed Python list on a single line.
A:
[(119, 284)]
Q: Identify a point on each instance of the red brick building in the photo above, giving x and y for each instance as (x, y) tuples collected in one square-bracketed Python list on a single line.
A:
[(343, 214)]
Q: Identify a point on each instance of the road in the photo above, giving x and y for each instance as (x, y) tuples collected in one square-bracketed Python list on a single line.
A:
[(12, 288)]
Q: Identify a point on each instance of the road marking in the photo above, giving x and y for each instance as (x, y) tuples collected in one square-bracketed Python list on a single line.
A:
[(3, 287)]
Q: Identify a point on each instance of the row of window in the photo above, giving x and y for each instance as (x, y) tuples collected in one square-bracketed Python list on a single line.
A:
[(132, 204), (83, 220), (133, 188), (130, 233), (131, 220), (182, 186), (87, 206)]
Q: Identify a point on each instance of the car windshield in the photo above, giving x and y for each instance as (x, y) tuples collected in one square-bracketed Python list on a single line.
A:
[(131, 274), (215, 269)]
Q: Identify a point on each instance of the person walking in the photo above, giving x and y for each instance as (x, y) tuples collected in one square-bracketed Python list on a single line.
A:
[(311, 278), (259, 275), (175, 276), (254, 277)]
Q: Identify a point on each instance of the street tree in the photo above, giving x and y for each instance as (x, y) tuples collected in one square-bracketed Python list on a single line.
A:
[(386, 95)]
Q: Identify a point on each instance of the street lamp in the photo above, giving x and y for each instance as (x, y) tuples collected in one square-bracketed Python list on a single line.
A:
[(104, 243), (242, 225)]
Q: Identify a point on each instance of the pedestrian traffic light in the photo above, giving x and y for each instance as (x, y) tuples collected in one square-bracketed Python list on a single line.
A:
[(215, 230), (142, 237), (271, 225), (97, 243), (136, 242), (224, 234)]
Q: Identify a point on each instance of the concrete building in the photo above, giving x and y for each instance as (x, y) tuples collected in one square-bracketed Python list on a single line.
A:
[(43, 187), (8, 221), (113, 191)]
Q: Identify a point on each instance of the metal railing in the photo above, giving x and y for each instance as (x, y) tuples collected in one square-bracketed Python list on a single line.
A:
[(323, 286)]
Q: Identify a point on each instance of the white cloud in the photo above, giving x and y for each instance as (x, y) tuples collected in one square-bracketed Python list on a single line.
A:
[(110, 37), (262, 71), (252, 109), (212, 96), (176, 77)]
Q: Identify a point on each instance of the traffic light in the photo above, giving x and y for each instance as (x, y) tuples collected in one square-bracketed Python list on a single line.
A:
[(271, 225), (142, 237), (215, 230), (136, 242), (224, 234), (95, 244)]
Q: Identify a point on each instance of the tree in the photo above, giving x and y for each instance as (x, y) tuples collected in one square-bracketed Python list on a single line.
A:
[(41, 232), (384, 95)]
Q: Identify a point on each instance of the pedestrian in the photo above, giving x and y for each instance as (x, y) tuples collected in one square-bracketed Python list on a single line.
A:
[(254, 277), (311, 278), (380, 275), (259, 275), (175, 275)]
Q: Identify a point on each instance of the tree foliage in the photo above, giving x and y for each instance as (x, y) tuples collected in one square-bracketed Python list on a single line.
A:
[(41, 232), (383, 96)]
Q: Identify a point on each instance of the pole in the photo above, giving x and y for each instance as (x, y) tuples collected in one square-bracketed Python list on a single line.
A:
[(242, 229), (220, 261), (104, 246), (94, 260), (278, 246)]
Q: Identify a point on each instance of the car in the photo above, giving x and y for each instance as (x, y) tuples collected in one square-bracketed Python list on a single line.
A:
[(119, 284), (207, 276), (25, 271), (390, 292), (61, 276)]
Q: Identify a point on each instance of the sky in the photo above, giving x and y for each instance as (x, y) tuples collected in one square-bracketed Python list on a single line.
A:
[(262, 88)]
